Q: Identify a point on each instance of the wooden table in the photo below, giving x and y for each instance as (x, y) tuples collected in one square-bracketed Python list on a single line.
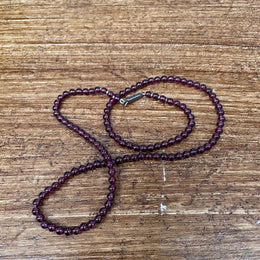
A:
[(203, 207)]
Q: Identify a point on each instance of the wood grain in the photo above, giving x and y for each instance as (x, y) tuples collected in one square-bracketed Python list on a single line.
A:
[(206, 207)]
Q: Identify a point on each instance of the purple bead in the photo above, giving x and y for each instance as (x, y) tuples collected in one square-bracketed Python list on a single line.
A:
[(79, 91), (220, 123), (219, 130), (108, 204), (157, 146), (151, 80), (188, 129), (97, 90), (51, 227), (133, 158), (110, 94), (148, 94), (136, 147), (103, 90), (40, 217), (150, 147), (122, 93), (171, 141), (110, 196), (162, 98), (196, 85), (170, 79), (112, 188), (187, 111), (191, 117), (178, 138), (42, 195), (97, 164), (44, 224), (59, 230), (207, 146), (83, 226), (155, 96), (103, 211), (128, 90), (36, 202), (75, 231), (170, 101), (98, 219), (157, 79), (141, 156), (134, 87), (144, 83), (164, 144), (164, 156), (92, 91), (89, 166), (212, 141), (126, 158), (68, 231), (66, 93), (193, 151), (82, 168), (178, 156), (176, 103), (190, 83), (183, 81), (91, 224), (191, 123), (216, 136), (203, 87), (143, 148), (177, 79), (184, 134), (72, 92), (112, 180), (171, 157), (164, 79), (222, 118), (119, 160), (85, 91), (148, 156), (201, 149), (186, 154), (129, 145), (156, 156), (111, 172), (35, 211), (61, 180)]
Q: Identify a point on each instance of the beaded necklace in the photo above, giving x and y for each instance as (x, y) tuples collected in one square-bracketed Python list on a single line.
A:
[(144, 151)]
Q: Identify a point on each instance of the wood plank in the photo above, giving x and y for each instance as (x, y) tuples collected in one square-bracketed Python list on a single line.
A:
[(204, 207)]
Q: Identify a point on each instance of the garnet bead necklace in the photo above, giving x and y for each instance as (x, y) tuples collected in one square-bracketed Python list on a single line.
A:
[(145, 151)]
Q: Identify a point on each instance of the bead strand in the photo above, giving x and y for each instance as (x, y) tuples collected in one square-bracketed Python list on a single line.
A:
[(144, 150)]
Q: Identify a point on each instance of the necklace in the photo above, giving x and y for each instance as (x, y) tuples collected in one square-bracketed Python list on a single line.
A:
[(144, 151)]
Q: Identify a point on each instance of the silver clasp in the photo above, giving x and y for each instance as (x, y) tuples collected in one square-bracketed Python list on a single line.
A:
[(131, 99)]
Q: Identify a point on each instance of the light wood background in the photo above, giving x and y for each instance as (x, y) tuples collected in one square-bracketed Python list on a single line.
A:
[(205, 207)]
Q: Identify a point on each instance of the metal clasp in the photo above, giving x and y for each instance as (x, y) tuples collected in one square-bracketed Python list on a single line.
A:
[(131, 99)]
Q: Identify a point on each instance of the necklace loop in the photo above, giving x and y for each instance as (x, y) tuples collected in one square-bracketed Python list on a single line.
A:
[(146, 150)]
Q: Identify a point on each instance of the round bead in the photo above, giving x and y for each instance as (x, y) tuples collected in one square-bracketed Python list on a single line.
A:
[(103, 211), (44, 224), (91, 224), (68, 231), (83, 226), (59, 230), (40, 217), (51, 227), (75, 231)]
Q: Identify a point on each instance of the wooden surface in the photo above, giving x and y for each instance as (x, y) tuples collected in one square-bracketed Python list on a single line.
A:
[(205, 207)]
